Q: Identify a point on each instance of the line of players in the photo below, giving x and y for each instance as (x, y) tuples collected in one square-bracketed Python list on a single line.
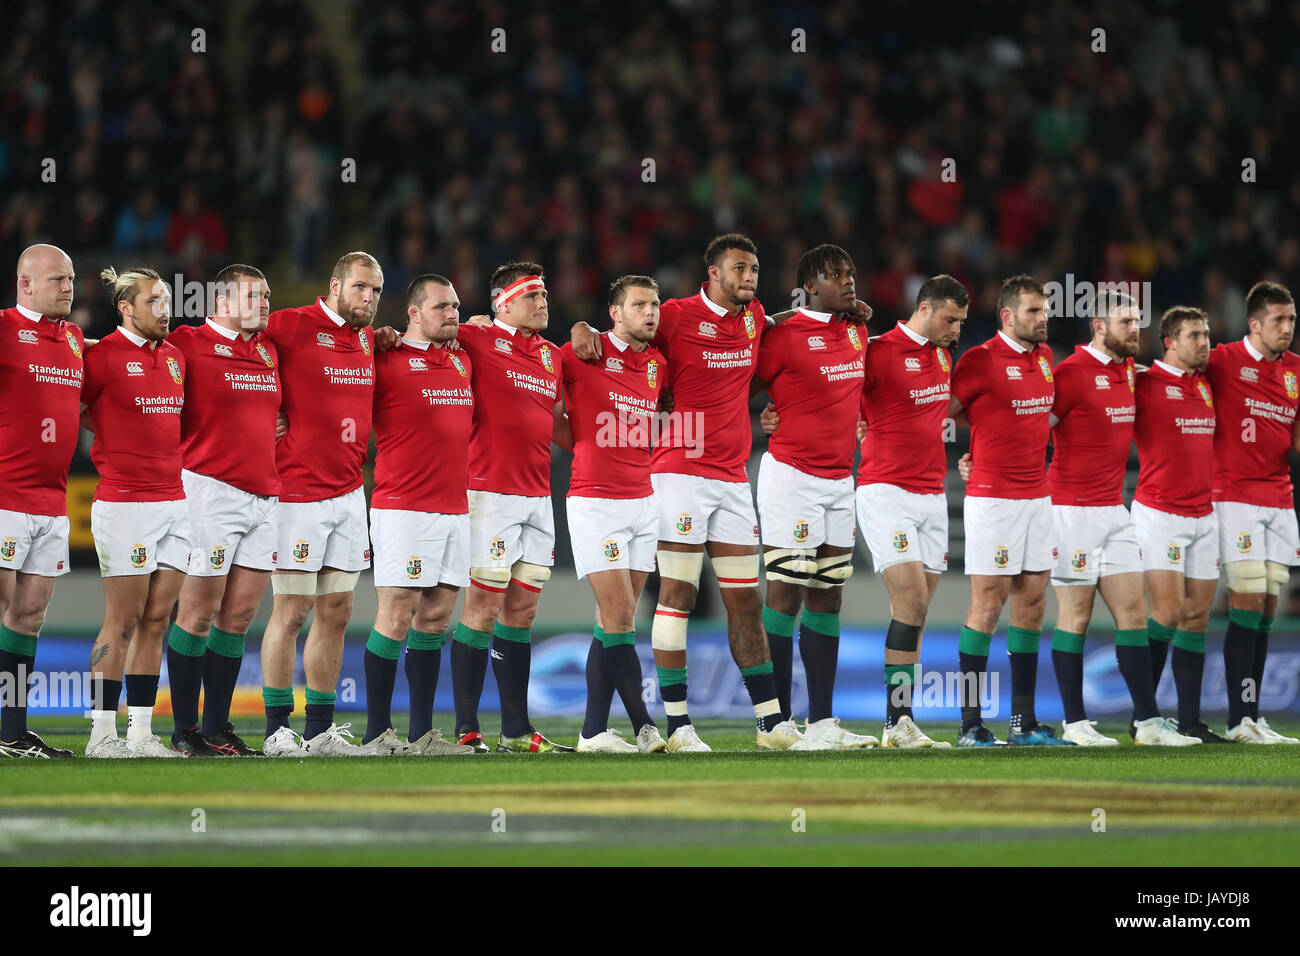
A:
[(319, 365)]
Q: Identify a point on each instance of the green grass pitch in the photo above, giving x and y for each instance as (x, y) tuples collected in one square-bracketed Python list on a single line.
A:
[(1215, 806)]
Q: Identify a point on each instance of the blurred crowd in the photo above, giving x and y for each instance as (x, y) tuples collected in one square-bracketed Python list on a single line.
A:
[(604, 139)]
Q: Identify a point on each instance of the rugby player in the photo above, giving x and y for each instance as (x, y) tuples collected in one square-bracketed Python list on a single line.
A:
[(327, 374), (1096, 544), (613, 524), (41, 373), (516, 388), (419, 515), (812, 366), (131, 399), (701, 489), (901, 503), (1004, 388), (1256, 383), (1176, 526), (228, 435)]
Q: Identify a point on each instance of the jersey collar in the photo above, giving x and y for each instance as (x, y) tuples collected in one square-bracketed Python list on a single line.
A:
[(505, 328), (819, 316), (716, 309), (1257, 356), (617, 342), (1013, 343), (330, 313), (137, 340), (916, 337), (221, 330), (1099, 355), (1171, 369), (416, 344), (28, 313)]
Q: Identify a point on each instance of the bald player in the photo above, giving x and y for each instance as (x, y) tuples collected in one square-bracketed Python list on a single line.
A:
[(41, 373)]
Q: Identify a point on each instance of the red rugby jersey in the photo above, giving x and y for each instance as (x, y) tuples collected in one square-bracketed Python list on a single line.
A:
[(905, 403), (1094, 407), (1175, 439), (424, 411), (813, 365), (516, 385), (232, 395), (712, 356), (1257, 403), (41, 374), (327, 380), (611, 405), (1007, 393), (134, 395)]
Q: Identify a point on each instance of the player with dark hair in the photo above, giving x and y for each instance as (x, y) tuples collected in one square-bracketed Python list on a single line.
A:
[(516, 385), (1172, 514), (812, 365), (1004, 389), (701, 490), (419, 515), (132, 399), (228, 435), (610, 406), (1256, 383), (41, 372), (1096, 543), (327, 370)]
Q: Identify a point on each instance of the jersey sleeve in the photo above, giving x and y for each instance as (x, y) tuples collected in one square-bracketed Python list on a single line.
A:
[(568, 363), (280, 327), (92, 385), (1066, 394), (968, 376), (770, 358)]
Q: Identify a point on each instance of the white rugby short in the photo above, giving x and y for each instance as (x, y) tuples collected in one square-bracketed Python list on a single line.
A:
[(1173, 542), (228, 526), (323, 534), (611, 533), (135, 537), (799, 510), (1008, 535), (34, 544), (693, 510), (419, 549), (1255, 533), (1094, 541), (900, 526), (504, 529)]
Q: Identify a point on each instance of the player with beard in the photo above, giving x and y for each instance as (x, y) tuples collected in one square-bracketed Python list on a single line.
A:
[(1004, 390), (613, 523), (1256, 383), (701, 489), (228, 435), (419, 515), (1172, 512), (132, 400), (41, 372), (1097, 545), (327, 371)]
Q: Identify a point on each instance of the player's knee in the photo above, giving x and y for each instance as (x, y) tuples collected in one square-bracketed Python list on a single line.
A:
[(737, 573), (677, 594), (1276, 576), (531, 577), (679, 571), (832, 571), (790, 565), (909, 606), (1248, 578)]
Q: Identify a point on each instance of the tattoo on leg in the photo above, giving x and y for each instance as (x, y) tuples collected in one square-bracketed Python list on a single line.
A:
[(748, 647), (98, 653)]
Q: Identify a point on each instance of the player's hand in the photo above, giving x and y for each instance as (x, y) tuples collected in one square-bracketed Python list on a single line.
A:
[(861, 313), (482, 321), (585, 341), (964, 466), (281, 425), (386, 338), (862, 430), (769, 419), (666, 400)]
